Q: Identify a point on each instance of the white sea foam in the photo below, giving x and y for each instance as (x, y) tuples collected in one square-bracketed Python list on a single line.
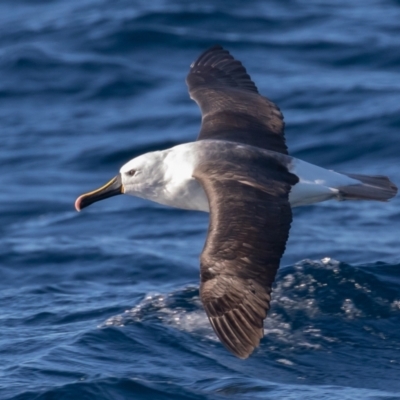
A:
[(160, 308)]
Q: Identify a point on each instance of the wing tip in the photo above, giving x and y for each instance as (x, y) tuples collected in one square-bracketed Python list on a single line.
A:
[(225, 67), (237, 338)]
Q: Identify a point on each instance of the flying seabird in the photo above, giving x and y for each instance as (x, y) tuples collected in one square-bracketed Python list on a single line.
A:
[(240, 171)]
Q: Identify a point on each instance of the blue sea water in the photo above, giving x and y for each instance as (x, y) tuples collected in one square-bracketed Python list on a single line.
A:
[(104, 304)]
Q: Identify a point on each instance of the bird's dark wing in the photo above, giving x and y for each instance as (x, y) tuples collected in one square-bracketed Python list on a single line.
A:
[(231, 107), (250, 218)]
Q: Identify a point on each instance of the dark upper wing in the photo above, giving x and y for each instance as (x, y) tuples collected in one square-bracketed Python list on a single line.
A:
[(249, 226), (231, 107)]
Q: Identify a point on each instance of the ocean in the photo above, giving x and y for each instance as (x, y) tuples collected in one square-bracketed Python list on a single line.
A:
[(104, 304)]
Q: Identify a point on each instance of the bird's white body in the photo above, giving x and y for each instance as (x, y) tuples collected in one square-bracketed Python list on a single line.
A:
[(170, 179)]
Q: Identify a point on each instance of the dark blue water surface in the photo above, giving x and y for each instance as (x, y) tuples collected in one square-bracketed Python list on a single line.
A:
[(104, 304)]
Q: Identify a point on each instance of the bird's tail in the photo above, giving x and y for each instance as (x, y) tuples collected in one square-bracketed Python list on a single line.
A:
[(371, 187)]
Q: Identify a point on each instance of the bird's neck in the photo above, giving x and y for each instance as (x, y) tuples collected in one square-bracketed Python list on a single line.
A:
[(179, 188)]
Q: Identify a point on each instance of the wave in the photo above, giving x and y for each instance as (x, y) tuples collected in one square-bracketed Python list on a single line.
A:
[(309, 301), (325, 315)]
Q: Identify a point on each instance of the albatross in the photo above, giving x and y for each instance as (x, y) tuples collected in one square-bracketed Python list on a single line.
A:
[(239, 171)]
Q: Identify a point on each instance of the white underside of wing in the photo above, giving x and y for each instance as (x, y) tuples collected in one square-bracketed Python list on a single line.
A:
[(315, 184)]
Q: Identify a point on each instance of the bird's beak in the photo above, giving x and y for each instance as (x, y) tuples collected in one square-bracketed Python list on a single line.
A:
[(110, 189)]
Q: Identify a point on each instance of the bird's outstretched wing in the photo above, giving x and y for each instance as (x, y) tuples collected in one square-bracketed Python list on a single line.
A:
[(231, 107), (250, 218)]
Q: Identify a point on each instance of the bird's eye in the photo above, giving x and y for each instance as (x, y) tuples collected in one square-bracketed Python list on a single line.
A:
[(131, 172)]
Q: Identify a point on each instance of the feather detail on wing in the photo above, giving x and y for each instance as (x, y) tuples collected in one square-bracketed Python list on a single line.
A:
[(231, 107), (250, 219)]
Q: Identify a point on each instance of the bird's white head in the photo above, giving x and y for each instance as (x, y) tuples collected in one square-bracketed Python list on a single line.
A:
[(142, 177)]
